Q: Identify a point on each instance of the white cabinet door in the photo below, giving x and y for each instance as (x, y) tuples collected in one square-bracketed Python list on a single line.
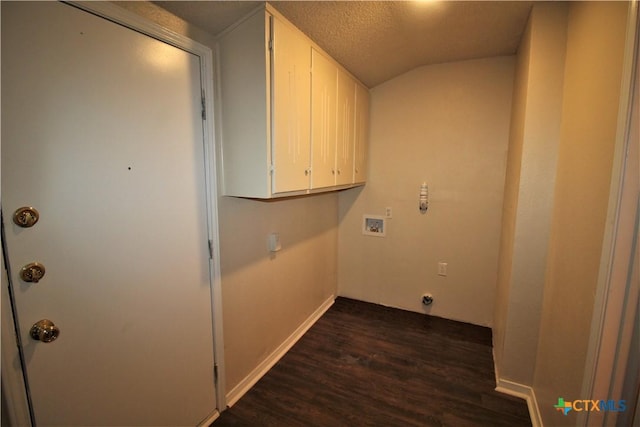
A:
[(102, 134), (290, 108), (286, 130), (324, 76), (244, 63), (361, 134), (346, 124)]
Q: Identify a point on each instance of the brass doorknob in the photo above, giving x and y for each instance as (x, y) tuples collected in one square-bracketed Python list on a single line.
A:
[(45, 331), (32, 272), (26, 216)]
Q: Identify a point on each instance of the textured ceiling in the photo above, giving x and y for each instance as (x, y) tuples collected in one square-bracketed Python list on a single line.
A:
[(211, 16), (378, 40)]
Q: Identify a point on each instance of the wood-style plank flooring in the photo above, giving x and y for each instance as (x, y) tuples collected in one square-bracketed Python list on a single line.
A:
[(363, 364)]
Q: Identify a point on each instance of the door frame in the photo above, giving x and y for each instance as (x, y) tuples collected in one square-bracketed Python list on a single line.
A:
[(13, 388), (616, 295)]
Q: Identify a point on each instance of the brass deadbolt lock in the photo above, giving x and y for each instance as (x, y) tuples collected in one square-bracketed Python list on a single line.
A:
[(32, 272), (26, 217)]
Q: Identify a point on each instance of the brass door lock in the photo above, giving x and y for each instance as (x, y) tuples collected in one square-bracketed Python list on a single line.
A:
[(32, 272), (45, 331), (26, 217)]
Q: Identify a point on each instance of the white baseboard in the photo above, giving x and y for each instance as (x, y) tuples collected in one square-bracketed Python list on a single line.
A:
[(250, 380), (524, 392), (210, 419)]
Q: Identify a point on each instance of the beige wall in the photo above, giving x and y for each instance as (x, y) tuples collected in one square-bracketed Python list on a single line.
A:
[(595, 41), (447, 125), (529, 185), (265, 297)]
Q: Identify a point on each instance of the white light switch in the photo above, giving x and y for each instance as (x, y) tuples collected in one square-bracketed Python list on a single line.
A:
[(442, 269), (274, 242)]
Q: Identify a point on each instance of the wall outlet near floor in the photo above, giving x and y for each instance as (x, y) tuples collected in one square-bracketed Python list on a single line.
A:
[(427, 299), (442, 269)]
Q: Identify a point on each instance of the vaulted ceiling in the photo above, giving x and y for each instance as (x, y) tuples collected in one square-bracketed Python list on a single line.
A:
[(378, 40)]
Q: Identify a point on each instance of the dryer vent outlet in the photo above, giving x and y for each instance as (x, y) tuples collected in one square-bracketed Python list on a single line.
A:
[(427, 299)]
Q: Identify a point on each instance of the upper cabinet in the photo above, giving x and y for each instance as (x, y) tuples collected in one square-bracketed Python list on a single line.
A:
[(345, 124), (361, 135), (291, 108), (324, 90), (291, 120)]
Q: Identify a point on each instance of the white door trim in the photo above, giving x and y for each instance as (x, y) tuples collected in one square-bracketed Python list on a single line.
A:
[(615, 294), (12, 375), (14, 394)]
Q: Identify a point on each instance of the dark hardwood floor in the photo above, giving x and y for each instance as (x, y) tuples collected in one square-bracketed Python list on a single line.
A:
[(366, 365)]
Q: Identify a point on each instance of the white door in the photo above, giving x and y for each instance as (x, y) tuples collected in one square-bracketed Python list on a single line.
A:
[(102, 134)]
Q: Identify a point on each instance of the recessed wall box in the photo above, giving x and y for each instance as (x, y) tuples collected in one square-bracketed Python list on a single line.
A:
[(374, 225)]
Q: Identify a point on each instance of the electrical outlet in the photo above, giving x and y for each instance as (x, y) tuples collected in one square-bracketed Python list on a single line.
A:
[(387, 212), (442, 269), (427, 299)]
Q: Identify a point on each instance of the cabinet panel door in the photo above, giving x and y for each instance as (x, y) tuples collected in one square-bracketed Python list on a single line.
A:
[(324, 77), (346, 124), (361, 134), (290, 108)]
